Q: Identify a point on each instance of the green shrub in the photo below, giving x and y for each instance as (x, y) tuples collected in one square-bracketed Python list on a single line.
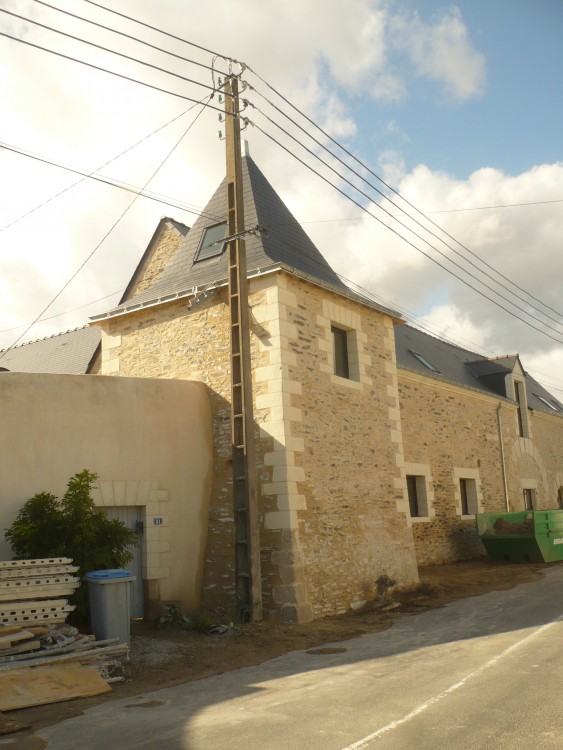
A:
[(71, 527)]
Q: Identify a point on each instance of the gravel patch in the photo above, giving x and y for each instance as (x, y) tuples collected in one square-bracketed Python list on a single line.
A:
[(156, 651)]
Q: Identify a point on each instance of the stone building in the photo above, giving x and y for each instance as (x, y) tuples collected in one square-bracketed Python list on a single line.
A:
[(376, 444)]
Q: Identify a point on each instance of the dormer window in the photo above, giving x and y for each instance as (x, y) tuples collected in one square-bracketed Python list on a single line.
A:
[(212, 241), (424, 361)]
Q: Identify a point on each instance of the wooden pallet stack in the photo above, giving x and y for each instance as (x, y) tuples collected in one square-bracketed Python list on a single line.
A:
[(42, 660)]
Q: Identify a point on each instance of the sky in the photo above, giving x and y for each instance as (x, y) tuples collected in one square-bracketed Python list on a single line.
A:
[(456, 106)]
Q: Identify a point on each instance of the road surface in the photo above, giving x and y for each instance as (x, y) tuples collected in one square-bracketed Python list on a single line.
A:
[(481, 673)]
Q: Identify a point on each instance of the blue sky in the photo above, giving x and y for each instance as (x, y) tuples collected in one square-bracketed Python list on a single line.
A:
[(512, 125), (457, 105)]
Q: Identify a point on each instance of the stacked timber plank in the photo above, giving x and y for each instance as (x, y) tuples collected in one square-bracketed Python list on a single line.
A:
[(42, 659)]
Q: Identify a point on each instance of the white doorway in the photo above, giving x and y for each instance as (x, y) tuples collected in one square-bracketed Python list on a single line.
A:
[(131, 516)]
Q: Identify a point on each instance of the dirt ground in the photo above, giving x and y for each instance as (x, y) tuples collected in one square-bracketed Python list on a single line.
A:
[(166, 656)]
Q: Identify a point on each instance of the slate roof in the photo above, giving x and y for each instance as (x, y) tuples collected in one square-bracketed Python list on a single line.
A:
[(464, 367), (284, 244), (67, 353)]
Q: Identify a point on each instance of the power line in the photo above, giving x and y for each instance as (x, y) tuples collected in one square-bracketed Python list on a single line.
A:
[(363, 193), (111, 72), (104, 180), (441, 211), (110, 230), (106, 49), (389, 187), (60, 315), (433, 234), (216, 54), (420, 250), (90, 174), (128, 36), (400, 235)]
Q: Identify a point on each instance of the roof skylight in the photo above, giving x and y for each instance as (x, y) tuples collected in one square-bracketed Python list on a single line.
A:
[(424, 361), (547, 403), (212, 241)]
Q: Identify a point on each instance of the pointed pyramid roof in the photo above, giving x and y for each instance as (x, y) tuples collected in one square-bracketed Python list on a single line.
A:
[(285, 243)]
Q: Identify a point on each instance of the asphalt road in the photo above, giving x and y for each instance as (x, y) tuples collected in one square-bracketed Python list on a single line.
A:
[(481, 673)]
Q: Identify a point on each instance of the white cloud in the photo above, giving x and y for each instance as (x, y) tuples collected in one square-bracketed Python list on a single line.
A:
[(443, 52), (82, 117)]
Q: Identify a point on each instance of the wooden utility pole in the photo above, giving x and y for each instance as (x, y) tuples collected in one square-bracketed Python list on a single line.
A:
[(247, 535)]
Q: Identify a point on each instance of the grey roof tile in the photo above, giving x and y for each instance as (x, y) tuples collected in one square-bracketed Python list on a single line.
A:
[(65, 353), (285, 242), (464, 367)]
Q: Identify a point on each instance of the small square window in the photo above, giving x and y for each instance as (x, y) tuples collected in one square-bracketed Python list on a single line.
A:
[(418, 502), (468, 493), (340, 352), (212, 241)]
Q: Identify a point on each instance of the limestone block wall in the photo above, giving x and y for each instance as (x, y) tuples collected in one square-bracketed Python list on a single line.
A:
[(179, 341), (454, 433), (329, 453), (340, 496), (458, 433), (536, 463), (163, 246)]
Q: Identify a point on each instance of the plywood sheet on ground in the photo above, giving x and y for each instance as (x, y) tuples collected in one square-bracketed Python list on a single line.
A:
[(39, 685)]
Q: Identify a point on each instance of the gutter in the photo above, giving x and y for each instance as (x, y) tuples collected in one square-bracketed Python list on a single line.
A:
[(502, 461), (193, 291)]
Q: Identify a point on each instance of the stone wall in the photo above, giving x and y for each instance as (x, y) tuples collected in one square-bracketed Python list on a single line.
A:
[(158, 255), (450, 433), (327, 535), (176, 341), (342, 498), (536, 463)]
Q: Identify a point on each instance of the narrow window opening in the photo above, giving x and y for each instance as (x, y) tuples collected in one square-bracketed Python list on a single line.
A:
[(340, 352), (468, 495), (464, 498), (517, 395), (413, 496), (528, 499)]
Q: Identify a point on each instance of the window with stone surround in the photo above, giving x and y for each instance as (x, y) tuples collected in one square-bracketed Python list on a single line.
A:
[(416, 489), (467, 492), (419, 491), (560, 497), (529, 499), (343, 344), (340, 352)]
